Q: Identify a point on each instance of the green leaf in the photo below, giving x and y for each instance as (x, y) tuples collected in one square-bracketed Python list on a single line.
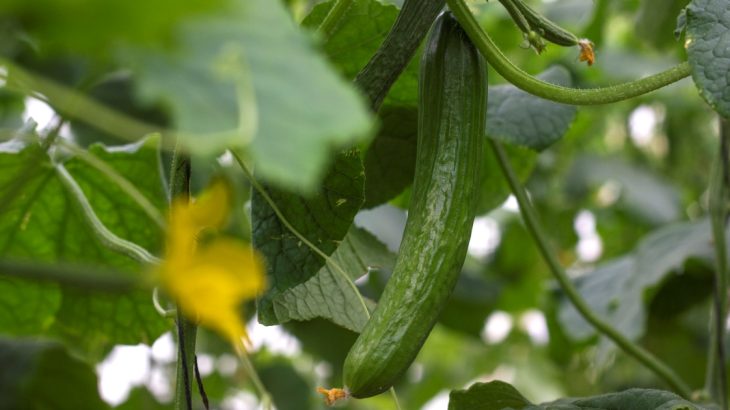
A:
[(495, 189), (499, 395), (63, 26), (656, 19), (708, 51), (300, 109), (40, 221), (323, 219), (495, 395), (42, 375), (520, 118), (620, 290), (390, 162), (357, 38), (642, 193), (328, 294)]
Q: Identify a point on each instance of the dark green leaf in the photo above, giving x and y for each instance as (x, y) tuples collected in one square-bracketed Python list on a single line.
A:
[(289, 390), (323, 219), (498, 395), (708, 50), (41, 222), (495, 395), (657, 19), (303, 110), (390, 161), (356, 39), (42, 375), (516, 117), (329, 294)]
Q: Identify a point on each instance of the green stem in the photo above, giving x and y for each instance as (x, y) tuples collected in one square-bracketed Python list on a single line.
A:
[(574, 96), (531, 221), (718, 214), (250, 370), (81, 277), (117, 179), (337, 12), (108, 238), (187, 330)]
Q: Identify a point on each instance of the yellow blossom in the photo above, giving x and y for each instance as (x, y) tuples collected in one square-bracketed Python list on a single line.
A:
[(210, 280)]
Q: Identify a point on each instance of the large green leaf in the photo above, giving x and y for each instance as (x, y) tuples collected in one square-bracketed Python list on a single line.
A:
[(499, 395), (619, 290), (358, 36), (42, 222), (303, 109), (323, 219), (520, 118), (329, 294), (708, 50), (42, 375)]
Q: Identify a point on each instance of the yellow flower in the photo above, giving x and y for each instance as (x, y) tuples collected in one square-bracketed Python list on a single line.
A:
[(210, 280)]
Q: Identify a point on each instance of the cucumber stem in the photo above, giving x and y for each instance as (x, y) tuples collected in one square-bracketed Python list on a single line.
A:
[(566, 95), (533, 226), (719, 181)]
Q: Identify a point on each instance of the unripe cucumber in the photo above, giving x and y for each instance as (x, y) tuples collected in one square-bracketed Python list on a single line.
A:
[(451, 123)]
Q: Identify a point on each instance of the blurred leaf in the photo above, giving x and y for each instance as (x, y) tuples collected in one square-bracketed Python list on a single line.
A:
[(325, 341), (472, 300), (330, 296), (323, 219), (390, 161), (141, 399), (495, 190), (41, 222), (499, 395), (42, 375), (289, 390), (302, 110), (63, 26), (619, 290), (708, 51), (657, 20), (358, 36), (642, 193), (516, 117)]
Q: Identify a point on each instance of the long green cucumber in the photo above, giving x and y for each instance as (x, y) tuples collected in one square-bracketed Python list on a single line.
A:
[(396, 51), (451, 121)]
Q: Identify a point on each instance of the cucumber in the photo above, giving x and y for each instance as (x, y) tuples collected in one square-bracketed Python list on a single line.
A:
[(396, 51), (451, 124)]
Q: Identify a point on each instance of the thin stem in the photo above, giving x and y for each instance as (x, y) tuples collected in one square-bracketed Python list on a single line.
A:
[(116, 178), (395, 398), (108, 238), (574, 96), (718, 215), (531, 221), (337, 12), (250, 370), (82, 277), (187, 330)]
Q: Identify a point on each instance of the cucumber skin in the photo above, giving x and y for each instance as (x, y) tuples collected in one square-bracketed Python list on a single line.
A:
[(452, 117)]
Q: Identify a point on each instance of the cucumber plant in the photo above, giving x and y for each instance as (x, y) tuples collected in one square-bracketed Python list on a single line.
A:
[(185, 174)]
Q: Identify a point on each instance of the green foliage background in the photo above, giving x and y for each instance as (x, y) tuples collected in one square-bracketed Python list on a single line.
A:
[(183, 66)]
